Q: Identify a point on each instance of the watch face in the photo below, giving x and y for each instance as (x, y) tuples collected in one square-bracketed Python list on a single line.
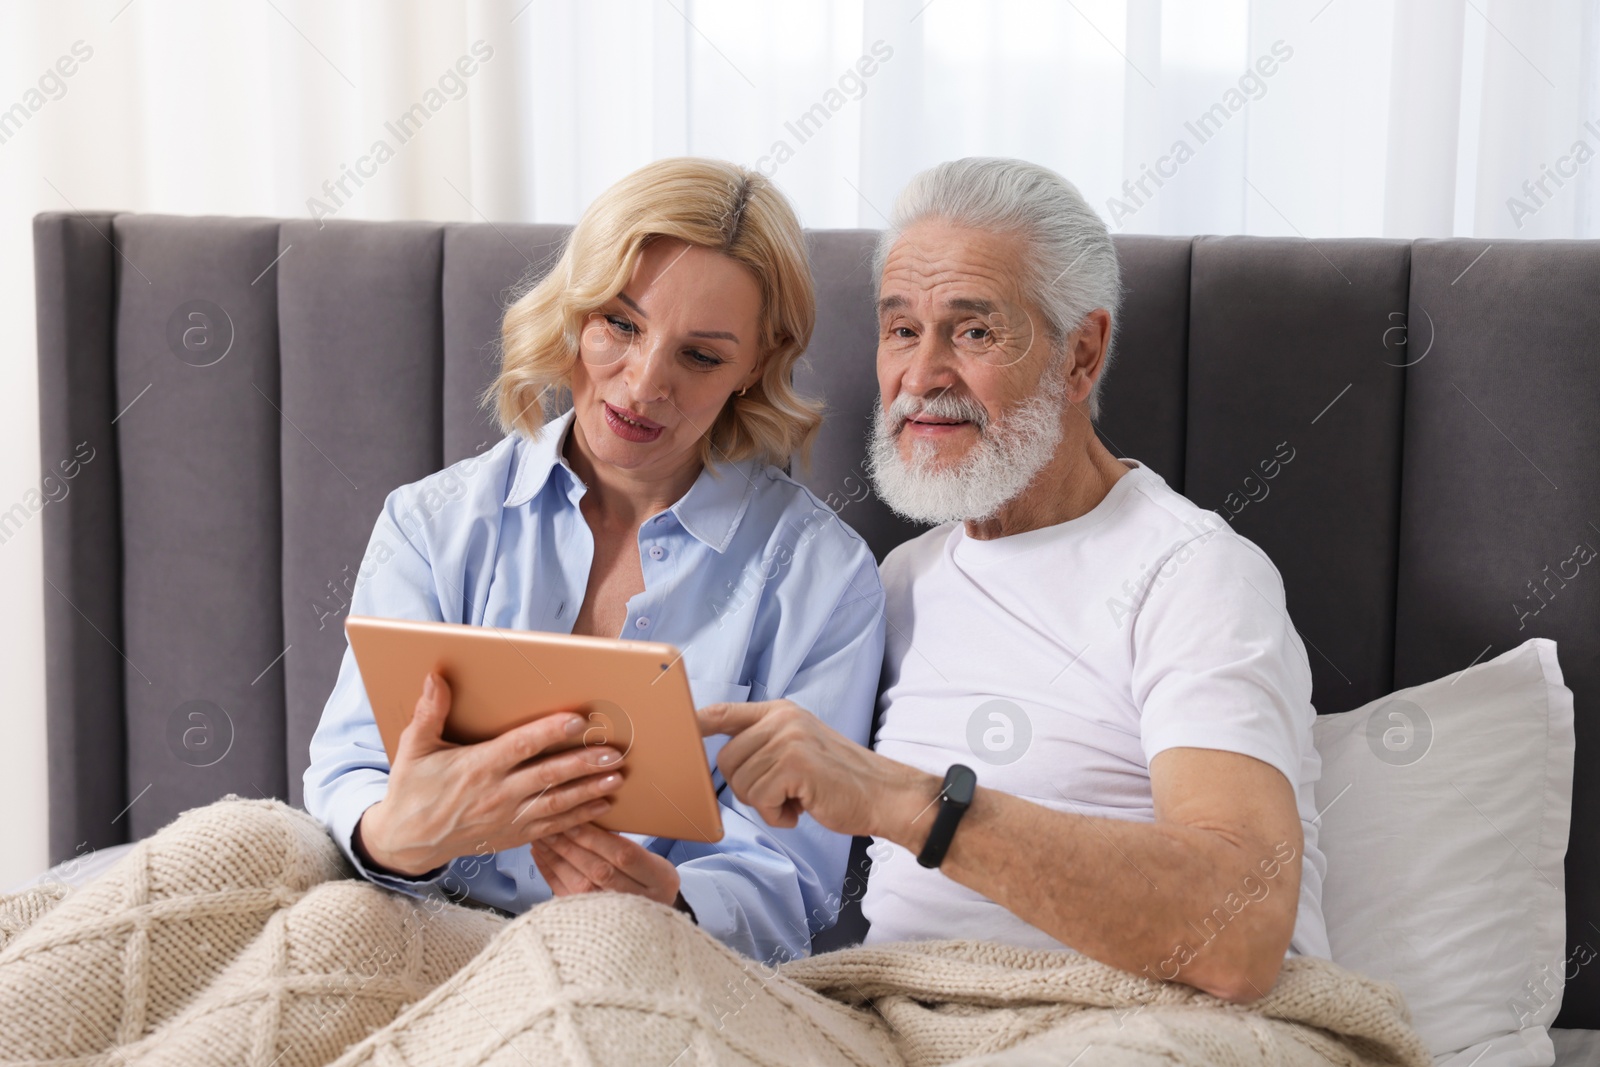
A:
[(959, 784)]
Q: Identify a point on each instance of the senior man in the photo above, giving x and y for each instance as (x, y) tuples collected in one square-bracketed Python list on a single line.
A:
[(1114, 663)]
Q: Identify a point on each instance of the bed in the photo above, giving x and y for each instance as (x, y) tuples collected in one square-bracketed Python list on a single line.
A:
[(236, 397)]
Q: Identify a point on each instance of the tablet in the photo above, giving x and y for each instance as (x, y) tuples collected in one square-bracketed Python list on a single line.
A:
[(635, 695)]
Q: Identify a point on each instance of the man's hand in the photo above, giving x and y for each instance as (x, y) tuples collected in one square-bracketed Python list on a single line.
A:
[(587, 859), (782, 760)]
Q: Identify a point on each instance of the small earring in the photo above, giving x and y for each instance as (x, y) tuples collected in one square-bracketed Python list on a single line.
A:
[(745, 390)]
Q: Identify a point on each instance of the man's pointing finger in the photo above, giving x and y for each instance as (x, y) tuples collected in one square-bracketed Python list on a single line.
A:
[(730, 719)]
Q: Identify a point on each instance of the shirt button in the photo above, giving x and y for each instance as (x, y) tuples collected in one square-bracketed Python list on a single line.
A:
[(657, 552), (642, 622)]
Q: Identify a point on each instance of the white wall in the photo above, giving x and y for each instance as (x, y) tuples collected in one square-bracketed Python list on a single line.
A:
[(1421, 119)]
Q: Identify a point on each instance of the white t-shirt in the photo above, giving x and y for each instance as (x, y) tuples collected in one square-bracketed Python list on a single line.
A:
[(1056, 663)]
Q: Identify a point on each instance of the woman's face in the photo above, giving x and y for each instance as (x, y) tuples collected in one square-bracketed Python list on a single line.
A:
[(658, 361)]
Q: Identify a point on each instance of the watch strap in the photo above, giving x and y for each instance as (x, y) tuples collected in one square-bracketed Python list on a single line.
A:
[(955, 797)]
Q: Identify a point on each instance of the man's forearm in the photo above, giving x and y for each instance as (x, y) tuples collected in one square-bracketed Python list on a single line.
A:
[(1164, 900)]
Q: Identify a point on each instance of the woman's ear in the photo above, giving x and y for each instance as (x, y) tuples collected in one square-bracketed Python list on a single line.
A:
[(776, 350), (749, 380)]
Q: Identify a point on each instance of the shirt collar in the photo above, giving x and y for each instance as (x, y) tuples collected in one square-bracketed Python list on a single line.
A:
[(537, 457), (710, 510), (717, 500)]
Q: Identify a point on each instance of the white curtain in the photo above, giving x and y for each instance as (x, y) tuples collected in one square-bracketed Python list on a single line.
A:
[(1317, 118)]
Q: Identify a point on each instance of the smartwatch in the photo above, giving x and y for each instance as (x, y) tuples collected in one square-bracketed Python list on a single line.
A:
[(955, 797)]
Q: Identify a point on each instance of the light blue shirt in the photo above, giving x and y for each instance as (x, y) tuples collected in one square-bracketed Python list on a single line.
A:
[(762, 587)]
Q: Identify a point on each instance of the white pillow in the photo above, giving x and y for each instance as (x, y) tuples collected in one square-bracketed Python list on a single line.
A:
[(1445, 810)]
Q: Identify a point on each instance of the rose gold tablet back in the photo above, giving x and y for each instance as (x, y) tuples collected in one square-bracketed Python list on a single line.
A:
[(634, 693)]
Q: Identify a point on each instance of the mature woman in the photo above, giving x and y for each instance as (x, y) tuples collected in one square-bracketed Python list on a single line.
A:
[(657, 507)]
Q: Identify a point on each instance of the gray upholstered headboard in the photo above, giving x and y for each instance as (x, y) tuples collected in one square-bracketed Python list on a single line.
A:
[(197, 571)]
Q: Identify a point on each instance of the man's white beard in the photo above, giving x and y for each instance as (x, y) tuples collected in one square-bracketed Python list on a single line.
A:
[(1009, 453)]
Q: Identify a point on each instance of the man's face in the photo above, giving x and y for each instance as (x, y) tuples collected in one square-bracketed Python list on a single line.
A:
[(973, 395), (951, 322)]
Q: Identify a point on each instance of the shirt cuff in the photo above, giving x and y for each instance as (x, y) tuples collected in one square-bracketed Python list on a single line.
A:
[(713, 912), (342, 826)]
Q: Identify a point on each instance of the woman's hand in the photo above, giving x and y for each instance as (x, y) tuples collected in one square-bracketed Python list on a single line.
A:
[(586, 858), (447, 800)]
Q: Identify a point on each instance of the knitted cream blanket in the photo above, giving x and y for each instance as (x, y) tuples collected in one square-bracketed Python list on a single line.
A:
[(237, 935)]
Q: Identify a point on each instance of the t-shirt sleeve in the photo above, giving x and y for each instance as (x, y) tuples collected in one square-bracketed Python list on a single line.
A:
[(1216, 660)]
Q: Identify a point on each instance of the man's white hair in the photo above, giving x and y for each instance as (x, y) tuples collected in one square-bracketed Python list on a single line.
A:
[(1072, 265)]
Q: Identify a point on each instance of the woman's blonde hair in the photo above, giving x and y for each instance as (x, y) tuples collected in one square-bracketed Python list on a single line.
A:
[(704, 202)]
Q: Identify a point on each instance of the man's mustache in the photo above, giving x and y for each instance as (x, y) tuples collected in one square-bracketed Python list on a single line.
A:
[(960, 407)]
